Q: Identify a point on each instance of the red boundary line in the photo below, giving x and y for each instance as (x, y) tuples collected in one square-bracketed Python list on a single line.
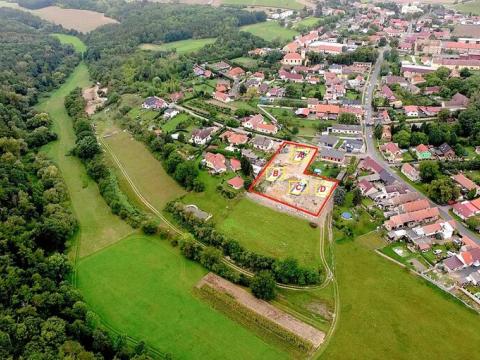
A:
[(305, 172)]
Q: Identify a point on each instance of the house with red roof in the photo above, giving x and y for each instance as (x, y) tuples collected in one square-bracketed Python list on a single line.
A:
[(236, 182), (234, 138), (411, 110), (235, 164), (410, 172), (391, 152), (257, 123), (292, 59), (412, 219), (423, 152), (388, 94), (464, 210), (221, 96), (236, 73), (215, 162), (457, 102), (465, 183)]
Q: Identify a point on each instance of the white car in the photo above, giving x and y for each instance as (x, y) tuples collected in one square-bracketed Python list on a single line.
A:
[(437, 251)]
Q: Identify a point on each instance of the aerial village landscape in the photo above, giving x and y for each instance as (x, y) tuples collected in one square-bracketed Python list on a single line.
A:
[(284, 179)]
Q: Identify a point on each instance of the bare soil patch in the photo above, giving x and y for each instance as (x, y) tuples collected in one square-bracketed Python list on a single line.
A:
[(264, 309), (95, 98), (80, 20)]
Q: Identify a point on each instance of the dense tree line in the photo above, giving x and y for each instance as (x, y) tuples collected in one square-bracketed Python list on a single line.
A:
[(285, 271), (361, 54), (89, 151), (42, 316)]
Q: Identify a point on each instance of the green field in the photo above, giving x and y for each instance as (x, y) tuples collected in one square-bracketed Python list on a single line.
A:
[(284, 4), (182, 46), (246, 62), (77, 44), (469, 7), (98, 227), (143, 287), (307, 22), (271, 30), (386, 313), (144, 170)]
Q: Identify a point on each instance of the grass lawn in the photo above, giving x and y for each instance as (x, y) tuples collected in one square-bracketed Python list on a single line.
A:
[(307, 22), (182, 46), (98, 227), (387, 313), (284, 4), (246, 62), (145, 171), (77, 44), (469, 7), (171, 124), (271, 30), (257, 227), (143, 287)]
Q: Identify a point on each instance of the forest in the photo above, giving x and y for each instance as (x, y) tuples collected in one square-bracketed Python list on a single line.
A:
[(42, 316)]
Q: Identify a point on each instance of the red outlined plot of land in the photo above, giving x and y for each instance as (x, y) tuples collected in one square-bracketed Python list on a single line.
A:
[(286, 180)]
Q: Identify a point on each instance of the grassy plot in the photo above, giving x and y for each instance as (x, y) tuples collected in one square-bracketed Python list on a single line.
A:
[(271, 30), (468, 7), (284, 4), (257, 227), (98, 227), (77, 44), (387, 313), (181, 47), (144, 287), (307, 22), (145, 171)]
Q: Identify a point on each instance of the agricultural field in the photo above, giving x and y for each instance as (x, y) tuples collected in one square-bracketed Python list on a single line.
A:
[(181, 47), (81, 20), (98, 227), (143, 286), (413, 317), (271, 30), (283, 4), (77, 44)]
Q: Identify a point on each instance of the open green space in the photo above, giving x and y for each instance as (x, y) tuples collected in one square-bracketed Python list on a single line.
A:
[(306, 23), (181, 47), (144, 170), (468, 7), (246, 62), (258, 228), (77, 44), (98, 227), (386, 312), (284, 4), (271, 30), (143, 286)]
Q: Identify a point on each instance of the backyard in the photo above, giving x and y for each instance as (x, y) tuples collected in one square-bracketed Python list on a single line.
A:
[(271, 30)]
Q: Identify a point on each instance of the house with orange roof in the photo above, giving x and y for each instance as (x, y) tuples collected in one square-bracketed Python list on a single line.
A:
[(465, 183), (465, 210), (257, 123), (292, 59), (215, 162), (391, 152), (234, 138), (221, 96), (412, 219), (236, 182), (410, 172), (423, 152), (414, 206), (235, 164), (236, 73)]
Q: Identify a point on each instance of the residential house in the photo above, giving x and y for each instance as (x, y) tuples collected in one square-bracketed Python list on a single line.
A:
[(236, 73), (445, 151), (354, 146), (221, 96), (412, 219), (155, 103), (262, 143), (236, 182), (235, 164), (416, 205), (410, 172), (234, 138), (203, 136), (257, 123), (457, 102), (215, 162), (327, 141), (371, 165), (464, 210), (391, 152), (170, 113), (411, 110), (292, 59), (423, 152), (465, 183), (332, 155), (345, 129), (366, 187)]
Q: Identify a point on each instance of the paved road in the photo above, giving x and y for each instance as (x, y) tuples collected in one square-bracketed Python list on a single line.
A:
[(374, 153)]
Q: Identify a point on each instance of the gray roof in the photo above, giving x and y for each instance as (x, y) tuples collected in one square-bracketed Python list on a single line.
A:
[(327, 140), (332, 153), (261, 141), (453, 263), (347, 127), (353, 143)]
